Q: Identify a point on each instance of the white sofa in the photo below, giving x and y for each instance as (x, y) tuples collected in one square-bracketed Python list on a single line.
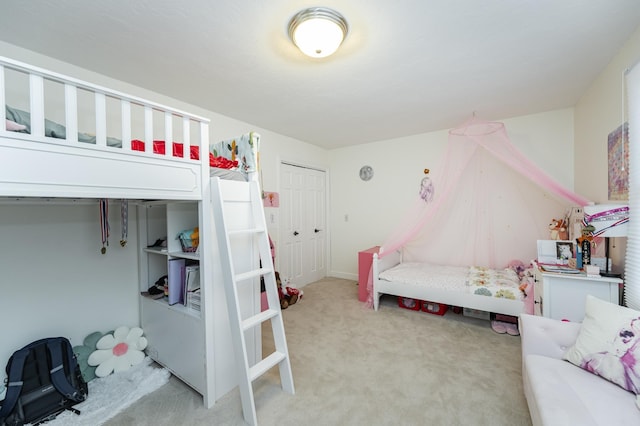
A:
[(558, 392)]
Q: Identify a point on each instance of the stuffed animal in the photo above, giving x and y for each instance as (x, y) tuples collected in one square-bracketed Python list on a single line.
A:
[(282, 295), (585, 241), (288, 295), (558, 229), (518, 267)]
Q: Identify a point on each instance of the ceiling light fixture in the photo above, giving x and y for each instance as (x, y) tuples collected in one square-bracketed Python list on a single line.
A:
[(318, 31)]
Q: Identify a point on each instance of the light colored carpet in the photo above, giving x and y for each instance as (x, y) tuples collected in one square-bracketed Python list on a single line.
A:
[(354, 366)]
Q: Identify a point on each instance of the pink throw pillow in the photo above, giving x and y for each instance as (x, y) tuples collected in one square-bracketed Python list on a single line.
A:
[(12, 126)]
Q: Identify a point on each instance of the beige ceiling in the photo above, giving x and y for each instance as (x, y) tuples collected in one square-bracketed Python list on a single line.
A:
[(406, 67)]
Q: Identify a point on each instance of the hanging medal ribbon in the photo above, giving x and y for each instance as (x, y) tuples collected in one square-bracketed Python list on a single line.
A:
[(104, 223), (124, 220)]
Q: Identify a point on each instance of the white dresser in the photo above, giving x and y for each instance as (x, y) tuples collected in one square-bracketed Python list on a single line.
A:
[(562, 296)]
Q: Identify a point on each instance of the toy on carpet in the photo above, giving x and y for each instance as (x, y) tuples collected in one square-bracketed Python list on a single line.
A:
[(287, 294), (118, 351)]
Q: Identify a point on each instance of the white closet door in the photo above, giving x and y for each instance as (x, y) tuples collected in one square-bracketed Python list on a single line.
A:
[(302, 251)]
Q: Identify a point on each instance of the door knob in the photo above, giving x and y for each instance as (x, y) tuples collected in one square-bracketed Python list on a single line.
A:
[(316, 230), (295, 233)]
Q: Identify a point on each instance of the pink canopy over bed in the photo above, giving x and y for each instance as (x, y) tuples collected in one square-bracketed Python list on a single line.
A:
[(490, 205)]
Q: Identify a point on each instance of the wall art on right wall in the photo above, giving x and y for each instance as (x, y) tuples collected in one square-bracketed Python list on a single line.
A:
[(618, 150)]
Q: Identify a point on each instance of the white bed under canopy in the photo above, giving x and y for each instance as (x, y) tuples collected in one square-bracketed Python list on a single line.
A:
[(490, 205)]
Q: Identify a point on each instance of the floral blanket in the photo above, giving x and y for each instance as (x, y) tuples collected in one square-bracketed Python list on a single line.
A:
[(502, 283), (243, 149)]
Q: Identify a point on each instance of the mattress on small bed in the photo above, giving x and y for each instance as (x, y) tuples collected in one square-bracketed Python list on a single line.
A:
[(500, 283)]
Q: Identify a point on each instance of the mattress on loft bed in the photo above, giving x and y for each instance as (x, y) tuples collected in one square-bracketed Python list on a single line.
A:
[(499, 283), (20, 121), (227, 174)]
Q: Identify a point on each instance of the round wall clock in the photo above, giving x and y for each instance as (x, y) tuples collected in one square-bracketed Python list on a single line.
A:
[(366, 173)]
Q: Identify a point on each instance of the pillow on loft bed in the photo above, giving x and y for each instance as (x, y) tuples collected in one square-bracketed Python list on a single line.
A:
[(12, 126), (51, 128), (243, 149)]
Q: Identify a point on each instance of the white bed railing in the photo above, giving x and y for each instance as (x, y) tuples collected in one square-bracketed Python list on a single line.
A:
[(182, 175)]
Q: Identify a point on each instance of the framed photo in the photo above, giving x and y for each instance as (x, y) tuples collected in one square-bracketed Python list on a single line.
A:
[(564, 250), (555, 252)]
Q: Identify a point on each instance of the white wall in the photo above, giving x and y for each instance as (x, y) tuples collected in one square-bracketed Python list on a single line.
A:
[(598, 113), (373, 207), (42, 243), (54, 279)]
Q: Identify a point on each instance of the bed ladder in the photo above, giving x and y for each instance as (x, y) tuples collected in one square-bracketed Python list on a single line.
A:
[(231, 200)]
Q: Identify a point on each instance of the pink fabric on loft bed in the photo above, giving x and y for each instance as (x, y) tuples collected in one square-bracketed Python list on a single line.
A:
[(472, 201)]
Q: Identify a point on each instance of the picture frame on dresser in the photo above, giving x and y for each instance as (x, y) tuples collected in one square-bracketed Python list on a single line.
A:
[(555, 252)]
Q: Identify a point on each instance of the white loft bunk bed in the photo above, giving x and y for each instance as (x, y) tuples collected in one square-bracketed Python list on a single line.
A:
[(45, 155), (36, 165)]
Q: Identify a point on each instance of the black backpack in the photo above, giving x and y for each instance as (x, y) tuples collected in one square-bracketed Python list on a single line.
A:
[(43, 380)]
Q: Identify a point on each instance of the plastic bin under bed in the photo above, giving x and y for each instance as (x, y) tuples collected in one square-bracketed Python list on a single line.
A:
[(422, 305)]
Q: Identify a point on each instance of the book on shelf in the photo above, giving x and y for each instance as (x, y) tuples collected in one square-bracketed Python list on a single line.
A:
[(176, 279), (193, 300), (191, 281)]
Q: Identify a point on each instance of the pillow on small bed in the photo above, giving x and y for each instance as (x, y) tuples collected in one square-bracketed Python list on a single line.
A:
[(608, 344)]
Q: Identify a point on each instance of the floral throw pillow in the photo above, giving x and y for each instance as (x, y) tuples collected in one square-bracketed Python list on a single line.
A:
[(118, 351), (608, 344)]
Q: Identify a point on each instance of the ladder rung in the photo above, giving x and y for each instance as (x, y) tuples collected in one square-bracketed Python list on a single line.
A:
[(258, 319), (252, 274), (265, 365), (251, 231)]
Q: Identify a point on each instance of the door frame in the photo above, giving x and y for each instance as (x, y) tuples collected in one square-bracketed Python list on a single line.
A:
[(327, 249)]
